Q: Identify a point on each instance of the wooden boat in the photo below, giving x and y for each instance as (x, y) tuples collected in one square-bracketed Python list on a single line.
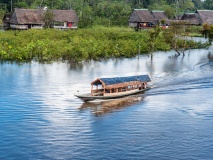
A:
[(117, 87)]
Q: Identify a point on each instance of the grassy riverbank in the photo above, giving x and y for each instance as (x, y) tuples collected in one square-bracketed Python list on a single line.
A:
[(77, 45)]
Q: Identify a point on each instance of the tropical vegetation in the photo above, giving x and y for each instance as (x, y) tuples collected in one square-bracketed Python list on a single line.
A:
[(108, 12), (102, 33), (84, 44)]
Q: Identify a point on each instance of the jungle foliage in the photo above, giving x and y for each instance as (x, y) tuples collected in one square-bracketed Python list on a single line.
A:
[(207, 32), (81, 45), (107, 12), (112, 40)]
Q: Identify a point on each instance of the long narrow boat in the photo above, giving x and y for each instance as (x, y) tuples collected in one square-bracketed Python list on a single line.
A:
[(117, 87)]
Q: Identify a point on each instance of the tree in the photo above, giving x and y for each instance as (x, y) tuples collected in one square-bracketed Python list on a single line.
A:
[(176, 36), (198, 4), (108, 12), (182, 5), (208, 4), (153, 34), (117, 13), (86, 17), (48, 19), (207, 32)]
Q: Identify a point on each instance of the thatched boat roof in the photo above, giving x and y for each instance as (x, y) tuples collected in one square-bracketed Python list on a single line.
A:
[(118, 82), (206, 16), (141, 15)]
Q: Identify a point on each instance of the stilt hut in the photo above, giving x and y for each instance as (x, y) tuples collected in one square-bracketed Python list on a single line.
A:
[(160, 18), (141, 19), (6, 19), (205, 16), (191, 18)]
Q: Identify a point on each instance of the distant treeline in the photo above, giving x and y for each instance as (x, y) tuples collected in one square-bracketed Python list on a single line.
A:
[(108, 12), (85, 44)]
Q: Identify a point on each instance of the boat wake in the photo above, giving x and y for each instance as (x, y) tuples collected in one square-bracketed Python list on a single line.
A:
[(200, 77), (171, 83)]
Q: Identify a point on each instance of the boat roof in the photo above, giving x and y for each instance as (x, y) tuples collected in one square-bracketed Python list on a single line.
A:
[(118, 80)]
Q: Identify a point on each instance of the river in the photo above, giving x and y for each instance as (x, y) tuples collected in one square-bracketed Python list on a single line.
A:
[(40, 118)]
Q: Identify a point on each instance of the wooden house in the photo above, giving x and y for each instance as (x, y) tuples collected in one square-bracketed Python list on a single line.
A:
[(65, 19), (26, 19), (177, 17), (205, 16), (160, 17), (6, 20), (141, 18), (191, 18), (33, 18)]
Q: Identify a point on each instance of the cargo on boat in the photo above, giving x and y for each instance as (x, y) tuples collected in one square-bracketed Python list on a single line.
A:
[(117, 87)]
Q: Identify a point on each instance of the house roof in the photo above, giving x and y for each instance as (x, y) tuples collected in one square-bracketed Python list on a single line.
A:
[(35, 16), (141, 15), (65, 16), (159, 15), (191, 18), (27, 16), (121, 81), (177, 17), (7, 17), (206, 16)]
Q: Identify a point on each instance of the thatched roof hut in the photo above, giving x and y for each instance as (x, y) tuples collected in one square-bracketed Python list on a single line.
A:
[(191, 18), (27, 16), (205, 16), (141, 15), (34, 16), (65, 16), (159, 16), (7, 17), (30, 18), (177, 17), (141, 18), (6, 20)]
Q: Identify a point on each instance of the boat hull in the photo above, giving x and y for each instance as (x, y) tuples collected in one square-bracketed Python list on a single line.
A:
[(89, 97)]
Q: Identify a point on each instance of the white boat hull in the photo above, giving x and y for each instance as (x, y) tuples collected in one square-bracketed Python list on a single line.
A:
[(89, 97)]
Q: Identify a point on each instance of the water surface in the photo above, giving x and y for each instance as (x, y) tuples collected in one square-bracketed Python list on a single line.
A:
[(40, 118)]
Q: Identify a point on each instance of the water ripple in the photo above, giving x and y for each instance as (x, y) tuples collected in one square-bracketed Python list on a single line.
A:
[(41, 118)]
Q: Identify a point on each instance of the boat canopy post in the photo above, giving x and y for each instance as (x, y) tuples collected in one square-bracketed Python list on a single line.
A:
[(91, 89), (103, 89)]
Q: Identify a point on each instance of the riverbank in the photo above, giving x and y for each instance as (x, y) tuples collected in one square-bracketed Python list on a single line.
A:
[(78, 45)]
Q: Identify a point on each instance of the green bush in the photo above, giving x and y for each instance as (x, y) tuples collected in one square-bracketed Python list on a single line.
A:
[(79, 45)]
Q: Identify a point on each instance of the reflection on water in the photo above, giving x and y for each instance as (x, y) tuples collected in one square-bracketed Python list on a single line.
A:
[(103, 107), (210, 56), (40, 118)]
